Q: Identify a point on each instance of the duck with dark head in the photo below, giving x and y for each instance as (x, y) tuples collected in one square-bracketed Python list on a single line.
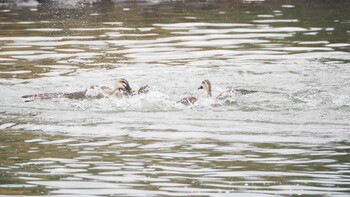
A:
[(121, 88)]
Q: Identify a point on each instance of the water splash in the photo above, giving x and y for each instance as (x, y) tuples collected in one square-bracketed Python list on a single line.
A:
[(318, 98)]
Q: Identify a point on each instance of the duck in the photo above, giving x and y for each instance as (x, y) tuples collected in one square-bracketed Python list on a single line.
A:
[(191, 100), (229, 92), (206, 85), (121, 88)]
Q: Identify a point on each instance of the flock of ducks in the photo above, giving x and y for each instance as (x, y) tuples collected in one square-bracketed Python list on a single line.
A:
[(122, 88)]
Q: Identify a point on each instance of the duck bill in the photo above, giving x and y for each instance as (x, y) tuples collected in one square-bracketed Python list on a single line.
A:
[(132, 92), (129, 90)]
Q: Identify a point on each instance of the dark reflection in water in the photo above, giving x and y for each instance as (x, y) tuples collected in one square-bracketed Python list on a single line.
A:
[(36, 164), (312, 25)]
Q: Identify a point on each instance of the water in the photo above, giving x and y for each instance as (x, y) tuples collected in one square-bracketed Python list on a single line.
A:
[(291, 137)]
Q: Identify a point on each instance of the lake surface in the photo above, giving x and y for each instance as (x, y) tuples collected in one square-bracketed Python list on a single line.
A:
[(290, 137)]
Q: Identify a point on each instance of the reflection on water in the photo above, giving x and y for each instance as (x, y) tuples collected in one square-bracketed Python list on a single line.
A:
[(290, 137), (136, 166)]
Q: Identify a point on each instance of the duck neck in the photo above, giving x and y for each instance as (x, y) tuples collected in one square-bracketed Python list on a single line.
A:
[(209, 93), (208, 90)]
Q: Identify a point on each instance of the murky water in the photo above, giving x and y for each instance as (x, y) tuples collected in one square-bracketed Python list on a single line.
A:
[(290, 137)]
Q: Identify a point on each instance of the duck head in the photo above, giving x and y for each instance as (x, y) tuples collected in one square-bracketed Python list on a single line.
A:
[(206, 86), (122, 85)]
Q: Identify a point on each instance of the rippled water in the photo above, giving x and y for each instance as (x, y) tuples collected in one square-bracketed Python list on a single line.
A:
[(290, 137)]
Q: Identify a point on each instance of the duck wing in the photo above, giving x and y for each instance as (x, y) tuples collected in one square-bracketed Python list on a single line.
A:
[(232, 92), (143, 90), (225, 94), (75, 95), (244, 91)]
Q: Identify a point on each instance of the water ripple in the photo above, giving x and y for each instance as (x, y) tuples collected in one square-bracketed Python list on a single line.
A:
[(289, 136)]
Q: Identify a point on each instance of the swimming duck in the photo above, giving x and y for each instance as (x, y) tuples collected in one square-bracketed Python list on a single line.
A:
[(121, 87), (206, 85), (192, 100), (229, 92)]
